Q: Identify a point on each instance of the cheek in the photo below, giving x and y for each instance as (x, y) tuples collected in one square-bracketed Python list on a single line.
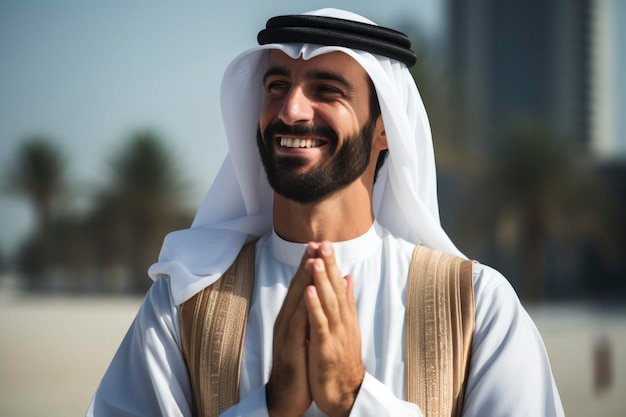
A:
[(345, 121), (265, 117), (269, 112)]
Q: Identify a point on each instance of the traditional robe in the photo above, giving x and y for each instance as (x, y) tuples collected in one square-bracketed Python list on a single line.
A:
[(509, 375)]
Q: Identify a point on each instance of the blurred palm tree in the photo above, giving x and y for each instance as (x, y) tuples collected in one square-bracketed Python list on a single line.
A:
[(534, 189), (452, 124), (449, 119), (38, 174), (143, 202)]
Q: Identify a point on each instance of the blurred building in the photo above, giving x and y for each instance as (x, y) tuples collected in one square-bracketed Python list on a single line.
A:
[(556, 63), (559, 61), (523, 59), (609, 84), (608, 123)]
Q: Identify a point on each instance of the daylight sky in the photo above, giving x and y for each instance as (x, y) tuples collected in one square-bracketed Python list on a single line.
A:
[(89, 74)]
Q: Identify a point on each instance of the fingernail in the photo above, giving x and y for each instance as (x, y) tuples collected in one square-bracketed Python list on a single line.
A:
[(327, 248), (311, 248)]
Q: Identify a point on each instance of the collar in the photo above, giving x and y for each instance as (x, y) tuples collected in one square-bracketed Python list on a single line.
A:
[(346, 252)]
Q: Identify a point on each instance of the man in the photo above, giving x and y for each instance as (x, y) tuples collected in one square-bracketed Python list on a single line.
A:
[(326, 100)]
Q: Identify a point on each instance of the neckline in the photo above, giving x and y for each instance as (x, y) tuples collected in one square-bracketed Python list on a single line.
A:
[(346, 252)]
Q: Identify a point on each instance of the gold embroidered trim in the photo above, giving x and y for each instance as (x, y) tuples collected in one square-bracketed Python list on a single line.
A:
[(213, 344), (439, 329)]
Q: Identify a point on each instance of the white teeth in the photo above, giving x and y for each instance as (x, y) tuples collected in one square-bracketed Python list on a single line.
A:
[(299, 143)]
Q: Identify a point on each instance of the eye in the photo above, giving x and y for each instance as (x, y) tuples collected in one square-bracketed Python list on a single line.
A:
[(329, 91), (276, 87)]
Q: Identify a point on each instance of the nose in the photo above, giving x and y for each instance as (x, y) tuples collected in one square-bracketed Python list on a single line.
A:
[(297, 107)]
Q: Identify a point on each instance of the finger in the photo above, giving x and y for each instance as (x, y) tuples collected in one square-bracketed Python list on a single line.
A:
[(288, 390), (298, 327), (326, 293), (318, 322), (300, 280), (298, 284), (335, 278), (349, 288), (289, 353), (327, 253)]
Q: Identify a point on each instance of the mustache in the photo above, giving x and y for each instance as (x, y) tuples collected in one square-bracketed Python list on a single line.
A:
[(279, 128)]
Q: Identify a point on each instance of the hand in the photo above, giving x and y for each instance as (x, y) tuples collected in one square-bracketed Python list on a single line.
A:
[(335, 367), (287, 391)]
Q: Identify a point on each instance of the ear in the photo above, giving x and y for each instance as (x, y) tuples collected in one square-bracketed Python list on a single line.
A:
[(379, 140)]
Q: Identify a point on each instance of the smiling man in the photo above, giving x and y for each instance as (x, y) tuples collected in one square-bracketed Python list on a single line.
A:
[(316, 278), (319, 135)]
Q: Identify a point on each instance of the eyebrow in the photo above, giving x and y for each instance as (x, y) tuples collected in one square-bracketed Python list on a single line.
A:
[(328, 75), (275, 71), (314, 74)]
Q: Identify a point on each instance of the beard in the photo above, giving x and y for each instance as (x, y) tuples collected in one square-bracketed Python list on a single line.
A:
[(342, 168)]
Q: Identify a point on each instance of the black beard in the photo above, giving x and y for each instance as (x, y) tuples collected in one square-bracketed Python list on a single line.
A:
[(322, 180)]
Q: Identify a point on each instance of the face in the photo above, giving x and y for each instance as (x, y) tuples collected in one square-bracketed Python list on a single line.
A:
[(315, 133)]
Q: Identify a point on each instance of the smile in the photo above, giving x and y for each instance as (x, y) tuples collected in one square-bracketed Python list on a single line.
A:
[(299, 143)]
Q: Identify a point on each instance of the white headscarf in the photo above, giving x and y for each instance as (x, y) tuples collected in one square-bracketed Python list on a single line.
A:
[(238, 206)]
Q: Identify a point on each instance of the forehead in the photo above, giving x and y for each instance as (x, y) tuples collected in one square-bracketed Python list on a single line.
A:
[(333, 62)]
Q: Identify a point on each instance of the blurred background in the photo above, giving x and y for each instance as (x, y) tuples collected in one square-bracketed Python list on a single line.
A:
[(110, 134)]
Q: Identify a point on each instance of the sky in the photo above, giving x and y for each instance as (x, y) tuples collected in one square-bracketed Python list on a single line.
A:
[(90, 74)]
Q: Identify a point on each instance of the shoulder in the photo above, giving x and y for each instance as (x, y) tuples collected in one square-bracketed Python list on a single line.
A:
[(506, 342), (492, 289), (499, 312)]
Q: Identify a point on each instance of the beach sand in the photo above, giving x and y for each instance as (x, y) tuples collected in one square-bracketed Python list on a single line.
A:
[(55, 349)]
